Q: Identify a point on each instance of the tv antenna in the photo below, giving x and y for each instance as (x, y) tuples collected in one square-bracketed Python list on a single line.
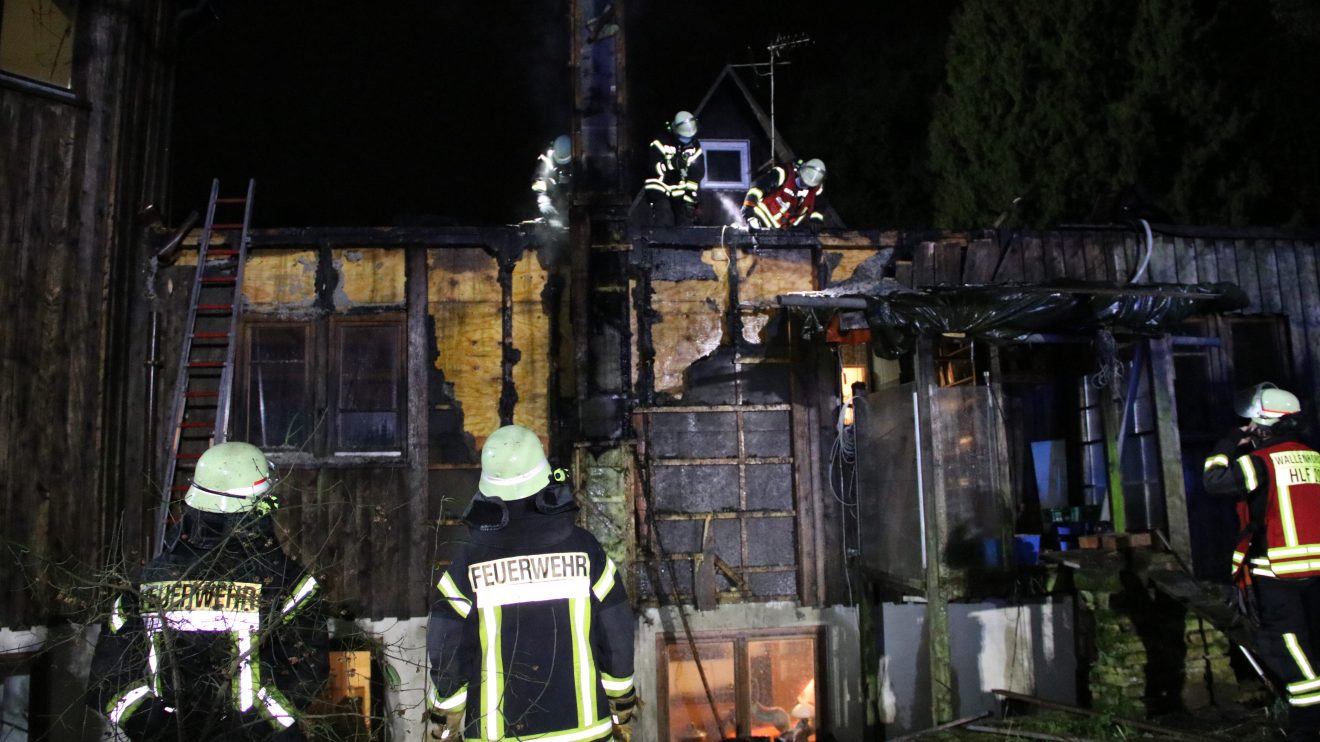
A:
[(776, 49)]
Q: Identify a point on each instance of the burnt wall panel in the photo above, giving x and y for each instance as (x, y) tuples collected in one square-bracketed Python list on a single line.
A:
[(769, 487), (694, 435), (767, 434), (770, 542), (773, 584), (691, 488)]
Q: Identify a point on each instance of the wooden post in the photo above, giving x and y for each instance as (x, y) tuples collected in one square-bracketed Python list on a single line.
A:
[(933, 511), (419, 407), (1170, 446)]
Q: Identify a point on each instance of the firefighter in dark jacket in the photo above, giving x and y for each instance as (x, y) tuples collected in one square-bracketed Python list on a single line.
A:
[(1276, 563), (553, 181), (787, 197), (676, 169), (218, 639), (531, 632)]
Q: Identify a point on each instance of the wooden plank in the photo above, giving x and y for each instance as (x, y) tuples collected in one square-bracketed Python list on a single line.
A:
[(1162, 267), (1290, 293), (417, 484), (1308, 281), (923, 265), (1116, 248), (1267, 273), (1206, 265), (948, 260), (1010, 263), (1074, 256), (1055, 263), (1170, 445), (1226, 261), (1245, 254), (1097, 267), (1184, 260), (979, 266), (1033, 258)]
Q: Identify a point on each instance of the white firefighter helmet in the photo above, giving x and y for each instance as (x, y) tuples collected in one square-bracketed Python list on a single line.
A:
[(684, 125), (812, 173), (1265, 403), (562, 151), (513, 464), (230, 478)]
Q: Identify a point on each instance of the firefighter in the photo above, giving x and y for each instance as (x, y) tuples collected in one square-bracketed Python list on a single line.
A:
[(787, 197), (553, 181), (219, 637), (676, 169), (1276, 479), (531, 632)]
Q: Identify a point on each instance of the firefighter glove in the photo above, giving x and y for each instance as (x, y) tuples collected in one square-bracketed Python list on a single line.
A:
[(753, 223), (543, 203), (622, 708), (447, 727)]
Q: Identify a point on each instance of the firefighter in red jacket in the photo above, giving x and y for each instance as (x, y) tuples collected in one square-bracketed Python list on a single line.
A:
[(531, 631), (1276, 563), (676, 169), (786, 197)]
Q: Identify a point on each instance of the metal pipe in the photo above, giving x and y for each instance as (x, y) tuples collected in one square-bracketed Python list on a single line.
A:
[(152, 364)]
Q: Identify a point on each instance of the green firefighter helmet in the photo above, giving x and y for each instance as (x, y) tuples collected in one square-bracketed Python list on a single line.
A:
[(513, 464), (684, 124), (562, 150), (230, 478), (1265, 403), (812, 173)]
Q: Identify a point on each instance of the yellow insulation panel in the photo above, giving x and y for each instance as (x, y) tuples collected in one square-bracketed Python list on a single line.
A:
[(280, 279), (848, 262), (370, 276), (464, 297), (765, 276), (690, 321)]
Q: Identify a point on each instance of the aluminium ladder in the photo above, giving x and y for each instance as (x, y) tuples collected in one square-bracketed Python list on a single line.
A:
[(199, 415)]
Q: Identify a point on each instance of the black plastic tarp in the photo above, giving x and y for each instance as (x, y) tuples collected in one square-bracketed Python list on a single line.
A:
[(897, 316)]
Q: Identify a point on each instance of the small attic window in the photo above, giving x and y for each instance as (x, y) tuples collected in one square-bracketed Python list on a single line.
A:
[(728, 164)]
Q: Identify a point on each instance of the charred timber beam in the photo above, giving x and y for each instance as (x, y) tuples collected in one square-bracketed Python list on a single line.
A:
[(387, 236)]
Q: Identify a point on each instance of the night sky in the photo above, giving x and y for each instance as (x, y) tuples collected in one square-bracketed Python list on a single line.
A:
[(433, 112)]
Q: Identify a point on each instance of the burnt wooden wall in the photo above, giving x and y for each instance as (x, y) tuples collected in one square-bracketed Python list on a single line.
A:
[(74, 168)]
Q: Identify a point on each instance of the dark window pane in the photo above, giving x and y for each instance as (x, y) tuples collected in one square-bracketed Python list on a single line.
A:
[(278, 397), (724, 166), (369, 388), (36, 39)]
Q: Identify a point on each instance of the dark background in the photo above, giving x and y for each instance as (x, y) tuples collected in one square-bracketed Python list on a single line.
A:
[(433, 111)]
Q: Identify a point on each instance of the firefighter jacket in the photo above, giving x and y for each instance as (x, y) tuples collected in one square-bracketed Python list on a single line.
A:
[(1278, 483), (531, 632), (778, 201), (553, 180), (218, 639), (676, 169)]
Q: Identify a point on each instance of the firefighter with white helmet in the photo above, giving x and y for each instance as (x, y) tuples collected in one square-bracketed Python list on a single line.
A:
[(676, 169), (786, 197), (1276, 564), (531, 631), (218, 637), (553, 181)]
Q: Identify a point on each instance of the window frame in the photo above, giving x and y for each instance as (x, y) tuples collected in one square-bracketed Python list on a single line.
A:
[(740, 638), (743, 148), (40, 85), (322, 373)]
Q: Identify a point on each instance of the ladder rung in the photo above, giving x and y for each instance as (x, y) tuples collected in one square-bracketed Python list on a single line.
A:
[(215, 307), (210, 335), (187, 456), (231, 200), (206, 364), (198, 424), (180, 488), (229, 225), (199, 395), (221, 252), (218, 279)]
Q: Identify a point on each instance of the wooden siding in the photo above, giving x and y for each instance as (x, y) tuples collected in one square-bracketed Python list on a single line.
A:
[(74, 169)]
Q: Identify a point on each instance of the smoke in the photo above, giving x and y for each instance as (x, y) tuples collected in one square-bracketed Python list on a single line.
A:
[(732, 210)]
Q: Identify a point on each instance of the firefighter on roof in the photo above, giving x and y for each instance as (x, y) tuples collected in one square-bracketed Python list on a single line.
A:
[(531, 632), (1276, 563), (553, 181), (676, 169), (788, 196), (219, 638)]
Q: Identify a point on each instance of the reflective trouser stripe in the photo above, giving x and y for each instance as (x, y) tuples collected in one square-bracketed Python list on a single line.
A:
[(596, 731), (275, 707), (122, 707)]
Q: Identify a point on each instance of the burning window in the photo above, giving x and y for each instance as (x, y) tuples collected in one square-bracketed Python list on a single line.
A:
[(755, 685)]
